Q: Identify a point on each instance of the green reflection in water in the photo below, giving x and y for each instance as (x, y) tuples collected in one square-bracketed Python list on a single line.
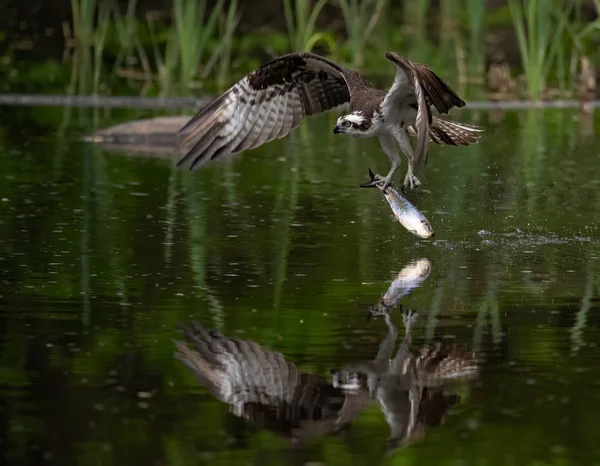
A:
[(103, 254)]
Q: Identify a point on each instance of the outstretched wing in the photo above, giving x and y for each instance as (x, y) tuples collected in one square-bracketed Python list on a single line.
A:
[(268, 103), (416, 85)]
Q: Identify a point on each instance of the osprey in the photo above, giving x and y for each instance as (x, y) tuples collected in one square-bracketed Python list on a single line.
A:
[(272, 100)]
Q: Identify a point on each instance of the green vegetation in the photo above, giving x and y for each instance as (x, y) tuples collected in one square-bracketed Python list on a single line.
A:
[(553, 36), (301, 18), (361, 18), (120, 48), (186, 54), (90, 30), (540, 37), (475, 54)]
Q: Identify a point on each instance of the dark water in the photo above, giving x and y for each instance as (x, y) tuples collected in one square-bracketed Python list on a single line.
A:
[(102, 255)]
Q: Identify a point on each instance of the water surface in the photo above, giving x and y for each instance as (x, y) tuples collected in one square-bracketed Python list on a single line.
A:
[(103, 254)]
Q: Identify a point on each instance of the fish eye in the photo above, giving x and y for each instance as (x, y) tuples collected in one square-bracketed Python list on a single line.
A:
[(346, 124)]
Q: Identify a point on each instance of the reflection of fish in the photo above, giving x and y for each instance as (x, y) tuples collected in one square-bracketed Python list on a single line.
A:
[(411, 388), (262, 387), (407, 214), (409, 278)]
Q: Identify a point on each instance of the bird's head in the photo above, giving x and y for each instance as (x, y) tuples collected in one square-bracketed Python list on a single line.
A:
[(354, 124), (348, 380)]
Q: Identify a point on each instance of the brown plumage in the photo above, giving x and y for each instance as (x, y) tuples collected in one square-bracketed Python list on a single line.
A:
[(410, 386), (272, 100), (261, 386), (450, 133), (268, 103)]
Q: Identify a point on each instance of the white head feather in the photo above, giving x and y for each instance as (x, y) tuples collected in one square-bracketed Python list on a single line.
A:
[(355, 125), (354, 118)]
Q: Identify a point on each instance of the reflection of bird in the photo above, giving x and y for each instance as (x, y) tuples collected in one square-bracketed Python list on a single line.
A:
[(272, 100), (261, 386), (409, 387)]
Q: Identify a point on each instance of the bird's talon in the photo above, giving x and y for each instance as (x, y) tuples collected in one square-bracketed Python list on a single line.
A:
[(381, 182), (410, 181), (409, 317)]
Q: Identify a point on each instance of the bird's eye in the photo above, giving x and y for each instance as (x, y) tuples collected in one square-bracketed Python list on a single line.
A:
[(346, 123)]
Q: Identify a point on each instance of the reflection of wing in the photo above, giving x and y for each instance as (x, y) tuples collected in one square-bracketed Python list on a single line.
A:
[(267, 104), (410, 386), (238, 371), (422, 409), (415, 401), (261, 386)]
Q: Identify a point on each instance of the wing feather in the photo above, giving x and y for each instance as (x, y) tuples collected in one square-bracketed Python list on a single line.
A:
[(288, 116), (257, 121), (417, 84), (405, 84), (215, 129), (438, 93), (236, 130), (271, 101), (200, 118), (460, 134), (279, 117), (269, 123), (451, 133), (238, 371), (422, 123), (298, 108)]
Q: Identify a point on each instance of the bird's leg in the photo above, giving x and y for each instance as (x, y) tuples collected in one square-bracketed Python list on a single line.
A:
[(386, 180), (389, 147), (409, 317), (410, 180), (386, 348)]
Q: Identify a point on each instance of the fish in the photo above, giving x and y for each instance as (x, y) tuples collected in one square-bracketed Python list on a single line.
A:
[(407, 214)]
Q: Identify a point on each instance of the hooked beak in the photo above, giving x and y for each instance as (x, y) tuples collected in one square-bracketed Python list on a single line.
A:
[(336, 129)]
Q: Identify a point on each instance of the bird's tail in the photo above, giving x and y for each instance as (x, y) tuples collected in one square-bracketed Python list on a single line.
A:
[(440, 365), (451, 133)]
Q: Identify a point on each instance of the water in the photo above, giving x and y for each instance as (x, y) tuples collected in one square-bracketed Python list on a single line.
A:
[(103, 254)]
